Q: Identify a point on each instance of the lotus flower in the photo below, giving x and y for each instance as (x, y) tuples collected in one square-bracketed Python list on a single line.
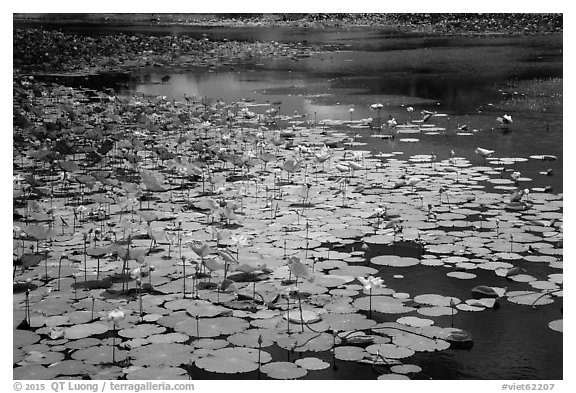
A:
[(239, 240), (116, 315), (371, 282)]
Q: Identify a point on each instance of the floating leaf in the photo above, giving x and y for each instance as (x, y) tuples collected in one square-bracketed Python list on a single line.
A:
[(161, 355), (348, 321), (85, 330), (141, 331), (158, 373), (415, 321), (394, 260), (98, 355), (390, 351), (283, 370), (312, 364), (349, 353), (529, 298), (557, 325), (211, 327), (405, 369)]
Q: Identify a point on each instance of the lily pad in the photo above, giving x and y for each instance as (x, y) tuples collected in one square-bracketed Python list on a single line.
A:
[(226, 365), (394, 260), (158, 373), (390, 351), (349, 353), (156, 355), (98, 355), (557, 325), (312, 363), (85, 330), (283, 370), (211, 327)]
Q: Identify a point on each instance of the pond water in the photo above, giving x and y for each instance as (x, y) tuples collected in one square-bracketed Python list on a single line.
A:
[(460, 76), (466, 78)]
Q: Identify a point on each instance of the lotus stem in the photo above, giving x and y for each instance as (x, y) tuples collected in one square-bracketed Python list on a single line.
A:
[(27, 314), (259, 353), (370, 303), (183, 278), (75, 288), (114, 345), (288, 311), (85, 265)]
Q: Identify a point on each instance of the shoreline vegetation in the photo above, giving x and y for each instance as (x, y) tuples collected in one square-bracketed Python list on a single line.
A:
[(433, 23), (54, 53)]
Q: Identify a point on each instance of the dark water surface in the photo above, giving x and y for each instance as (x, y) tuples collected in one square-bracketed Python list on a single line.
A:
[(460, 76)]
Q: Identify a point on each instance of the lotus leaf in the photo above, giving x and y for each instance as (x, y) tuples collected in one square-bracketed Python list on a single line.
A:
[(158, 373), (211, 327), (98, 355), (85, 330), (390, 351), (283, 370), (312, 363), (165, 354)]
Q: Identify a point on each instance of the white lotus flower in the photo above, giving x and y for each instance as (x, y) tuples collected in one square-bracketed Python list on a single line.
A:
[(371, 282)]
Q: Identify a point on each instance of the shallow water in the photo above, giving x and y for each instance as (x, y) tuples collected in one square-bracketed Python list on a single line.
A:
[(462, 77), (453, 75)]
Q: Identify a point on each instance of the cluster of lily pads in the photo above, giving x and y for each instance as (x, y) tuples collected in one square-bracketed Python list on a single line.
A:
[(154, 238)]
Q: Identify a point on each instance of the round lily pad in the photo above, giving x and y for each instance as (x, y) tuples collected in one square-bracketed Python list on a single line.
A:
[(209, 343), (250, 338), (155, 355), (348, 321), (390, 351), (85, 330), (312, 363), (394, 260), (437, 311), (405, 369), (393, 377), (158, 373), (98, 355), (529, 298), (283, 370), (383, 304), (226, 365), (211, 327), (141, 331), (349, 353), (22, 338), (34, 372), (202, 308), (419, 343), (415, 321), (461, 275)]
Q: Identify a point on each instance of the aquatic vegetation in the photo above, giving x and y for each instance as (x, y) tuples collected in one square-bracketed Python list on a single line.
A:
[(234, 263)]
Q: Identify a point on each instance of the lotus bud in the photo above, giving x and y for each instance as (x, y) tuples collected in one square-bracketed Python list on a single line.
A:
[(260, 340), (152, 268)]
